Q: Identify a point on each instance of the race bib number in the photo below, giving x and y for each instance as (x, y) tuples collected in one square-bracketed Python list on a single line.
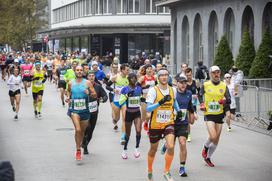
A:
[(213, 107), (38, 83), (61, 77), (93, 106), (134, 102), (79, 104), (183, 114), (26, 72), (117, 96), (163, 116)]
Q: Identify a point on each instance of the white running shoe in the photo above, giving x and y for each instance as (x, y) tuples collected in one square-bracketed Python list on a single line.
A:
[(136, 153), (39, 116), (124, 154)]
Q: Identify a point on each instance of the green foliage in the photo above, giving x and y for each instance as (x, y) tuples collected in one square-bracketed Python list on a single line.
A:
[(223, 57), (246, 54), (260, 68), (20, 19)]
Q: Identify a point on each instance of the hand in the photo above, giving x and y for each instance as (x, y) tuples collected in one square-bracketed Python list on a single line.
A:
[(179, 115), (222, 101), (147, 86), (145, 126), (116, 91), (202, 107), (195, 96), (86, 91), (67, 100), (131, 93), (165, 99)]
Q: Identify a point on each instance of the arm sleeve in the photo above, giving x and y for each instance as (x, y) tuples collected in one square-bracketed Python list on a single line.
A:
[(151, 107), (201, 94), (190, 107), (227, 96), (103, 94)]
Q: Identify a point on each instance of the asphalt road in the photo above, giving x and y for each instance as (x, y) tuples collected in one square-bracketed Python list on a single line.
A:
[(42, 150)]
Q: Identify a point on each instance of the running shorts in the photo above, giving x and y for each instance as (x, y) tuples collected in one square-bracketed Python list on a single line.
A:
[(156, 134)]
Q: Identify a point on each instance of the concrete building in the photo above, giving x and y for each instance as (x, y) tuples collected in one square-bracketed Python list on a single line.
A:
[(122, 27), (198, 25)]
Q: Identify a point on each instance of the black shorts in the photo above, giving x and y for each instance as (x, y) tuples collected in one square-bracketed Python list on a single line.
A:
[(35, 95), (111, 97), (232, 111), (93, 116), (27, 79), (130, 116), (181, 130), (13, 94), (156, 134), (62, 84), (218, 119)]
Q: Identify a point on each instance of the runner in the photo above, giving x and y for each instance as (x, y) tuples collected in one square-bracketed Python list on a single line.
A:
[(77, 97), (49, 66), (182, 121), (110, 87), (131, 96), (61, 71), (160, 101), (147, 81), (3, 66), (38, 79), (214, 96), (231, 86), (119, 82), (14, 82), (194, 88), (26, 70), (94, 100)]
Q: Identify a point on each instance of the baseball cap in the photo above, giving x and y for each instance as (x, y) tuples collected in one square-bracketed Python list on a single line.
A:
[(16, 60), (214, 68), (94, 63), (181, 79)]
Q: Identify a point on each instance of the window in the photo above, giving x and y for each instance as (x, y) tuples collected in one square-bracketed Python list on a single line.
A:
[(163, 10), (133, 6), (88, 7), (107, 6), (98, 6), (121, 6), (152, 9)]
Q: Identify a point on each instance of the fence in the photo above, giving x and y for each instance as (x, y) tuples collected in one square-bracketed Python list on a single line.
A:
[(267, 83), (254, 106)]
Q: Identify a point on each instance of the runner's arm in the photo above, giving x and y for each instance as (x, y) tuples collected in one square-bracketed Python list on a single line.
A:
[(151, 107), (201, 95), (176, 106)]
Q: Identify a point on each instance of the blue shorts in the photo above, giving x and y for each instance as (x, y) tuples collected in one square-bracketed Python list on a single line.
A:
[(118, 105), (84, 116)]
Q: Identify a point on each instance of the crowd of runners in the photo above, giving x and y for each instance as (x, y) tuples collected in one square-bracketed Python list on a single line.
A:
[(149, 98)]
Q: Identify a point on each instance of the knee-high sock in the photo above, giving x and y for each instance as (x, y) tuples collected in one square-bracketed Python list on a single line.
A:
[(39, 106), (168, 160), (126, 143), (207, 144), (138, 139), (150, 160), (211, 150)]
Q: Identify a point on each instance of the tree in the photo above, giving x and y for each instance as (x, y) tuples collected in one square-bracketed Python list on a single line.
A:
[(223, 57), (19, 21), (260, 66), (246, 54)]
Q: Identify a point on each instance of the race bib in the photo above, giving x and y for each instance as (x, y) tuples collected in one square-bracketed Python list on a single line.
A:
[(38, 83), (61, 77), (163, 116), (184, 114), (117, 96), (79, 104), (26, 72), (150, 82), (134, 102), (93, 106), (213, 107)]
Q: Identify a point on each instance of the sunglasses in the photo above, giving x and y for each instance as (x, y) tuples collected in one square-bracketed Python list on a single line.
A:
[(227, 77)]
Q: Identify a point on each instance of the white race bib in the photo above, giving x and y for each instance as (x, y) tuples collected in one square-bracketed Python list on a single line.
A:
[(38, 83), (79, 104), (163, 116), (93, 106), (213, 107), (61, 77), (26, 72), (134, 102), (117, 96)]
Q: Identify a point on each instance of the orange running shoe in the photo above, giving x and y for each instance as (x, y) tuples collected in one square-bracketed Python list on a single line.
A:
[(78, 155)]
